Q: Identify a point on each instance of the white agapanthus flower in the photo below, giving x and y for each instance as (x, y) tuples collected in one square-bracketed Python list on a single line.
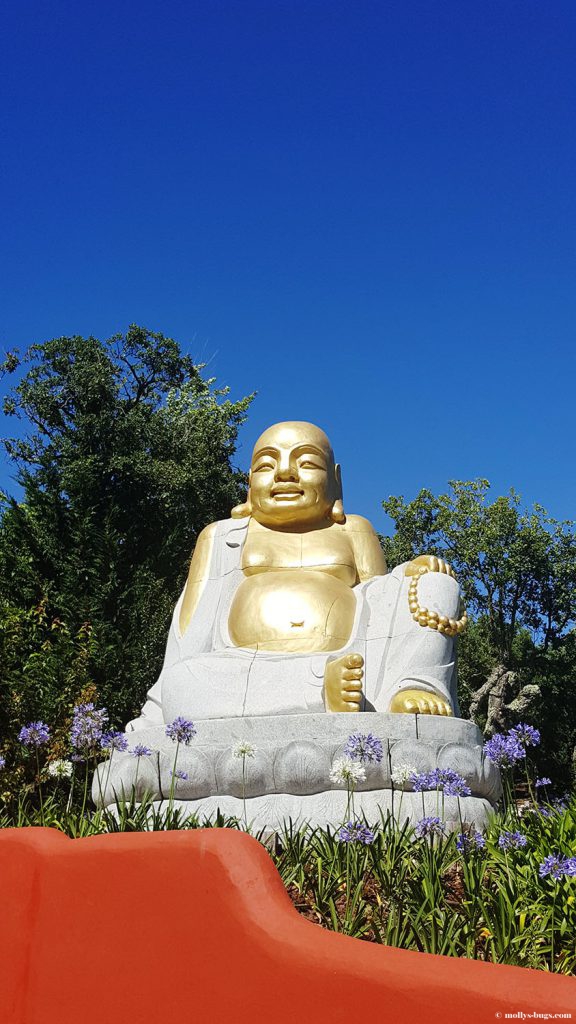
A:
[(59, 769), (401, 774), (244, 749), (346, 772)]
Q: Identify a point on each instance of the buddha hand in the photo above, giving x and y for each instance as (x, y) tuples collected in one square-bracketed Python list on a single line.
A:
[(419, 702), (343, 683), (428, 563)]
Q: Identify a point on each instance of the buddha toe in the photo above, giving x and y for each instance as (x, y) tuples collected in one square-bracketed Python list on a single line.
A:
[(343, 683)]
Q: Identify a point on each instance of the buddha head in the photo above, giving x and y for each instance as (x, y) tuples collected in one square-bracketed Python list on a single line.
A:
[(294, 481)]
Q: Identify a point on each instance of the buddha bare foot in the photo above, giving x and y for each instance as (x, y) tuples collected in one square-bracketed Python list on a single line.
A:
[(343, 683), (420, 702)]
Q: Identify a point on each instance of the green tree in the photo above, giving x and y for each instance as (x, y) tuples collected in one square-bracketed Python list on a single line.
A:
[(45, 669), (125, 455), (517, 570)]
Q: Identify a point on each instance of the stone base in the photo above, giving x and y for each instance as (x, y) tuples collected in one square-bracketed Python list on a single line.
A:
[(288, 776), (271, 814)]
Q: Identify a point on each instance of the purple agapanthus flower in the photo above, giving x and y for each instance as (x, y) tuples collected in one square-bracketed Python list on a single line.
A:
[(544, 781), (419, 781), (355, 832), (558, 805), (88, 724), (422, 781), (35, 734), (557, 867), (180, 774), (457, 787), (364, 747), (141, 750), (504, 751), (114, 740), (527, 735), (445, 779), (466, 842), (2, 761), (181, 730), (429, 826), (512, 840), (544, 812)]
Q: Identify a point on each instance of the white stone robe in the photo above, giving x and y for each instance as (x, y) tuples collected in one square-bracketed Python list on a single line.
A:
[(204, 676)]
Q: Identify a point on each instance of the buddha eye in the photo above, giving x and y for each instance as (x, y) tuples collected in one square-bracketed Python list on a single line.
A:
[(264, 466), (308, 464)]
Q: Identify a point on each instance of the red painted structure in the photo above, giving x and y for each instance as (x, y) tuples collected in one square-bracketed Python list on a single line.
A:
[(163, 928)]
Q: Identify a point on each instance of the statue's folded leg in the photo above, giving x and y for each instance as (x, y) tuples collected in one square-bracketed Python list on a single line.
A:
[(410, 656), (236, 683)]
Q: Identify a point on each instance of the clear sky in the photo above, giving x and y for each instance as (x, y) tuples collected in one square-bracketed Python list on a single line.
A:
[(362, 209)]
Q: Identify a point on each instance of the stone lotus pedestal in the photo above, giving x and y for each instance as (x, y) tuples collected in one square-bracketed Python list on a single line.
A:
[(288, 776)]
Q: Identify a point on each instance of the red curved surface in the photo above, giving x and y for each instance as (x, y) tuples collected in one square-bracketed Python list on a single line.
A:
[(155, 928)]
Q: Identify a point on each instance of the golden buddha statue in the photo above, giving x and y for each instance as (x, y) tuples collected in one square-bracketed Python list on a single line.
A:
[(288, 606)]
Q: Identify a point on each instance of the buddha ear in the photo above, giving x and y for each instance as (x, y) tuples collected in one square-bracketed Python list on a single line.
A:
[(244, 510), (337, 513)]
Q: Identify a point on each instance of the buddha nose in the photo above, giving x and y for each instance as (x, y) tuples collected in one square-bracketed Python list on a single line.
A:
[(286, 468)]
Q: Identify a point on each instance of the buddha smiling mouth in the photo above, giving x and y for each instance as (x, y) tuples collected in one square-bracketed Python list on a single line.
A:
[(286, 492)]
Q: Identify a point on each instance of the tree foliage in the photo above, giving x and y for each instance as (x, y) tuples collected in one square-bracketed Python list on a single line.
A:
[(517, 570), (125, 454)]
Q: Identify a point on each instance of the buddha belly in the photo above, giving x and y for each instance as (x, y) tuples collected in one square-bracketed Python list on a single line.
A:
[(297, 610)]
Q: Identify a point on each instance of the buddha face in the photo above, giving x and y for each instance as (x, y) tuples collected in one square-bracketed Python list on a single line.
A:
[(293, 478)]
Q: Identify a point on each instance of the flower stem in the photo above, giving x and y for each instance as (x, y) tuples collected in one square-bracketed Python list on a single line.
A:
[(528, 782), (244, 790), (553, 927), (40, 788), (173, 780), (346, 922), (71, 793), (85, 793)]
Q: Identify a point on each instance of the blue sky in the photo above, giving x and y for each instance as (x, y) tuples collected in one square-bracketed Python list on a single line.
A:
[(365, 211)]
